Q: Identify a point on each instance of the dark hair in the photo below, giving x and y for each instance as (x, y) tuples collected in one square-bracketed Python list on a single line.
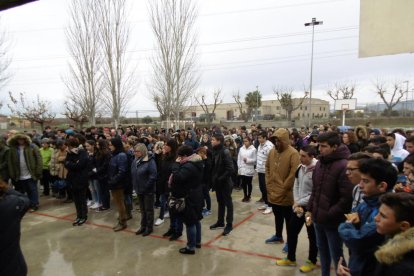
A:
[(380, 170), (263, 134), (351, 136), (391, 135), (80, 138), (310, 150), (410, 139), (117, 143), (402, 204), (91, 142), (359, 156), (219, 137), (72, 142), (377, 140), (184, 150), (409, 159), (332, 138), (103, 149)]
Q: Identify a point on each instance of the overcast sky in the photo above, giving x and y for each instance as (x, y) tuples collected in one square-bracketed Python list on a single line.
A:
[(242, 44)]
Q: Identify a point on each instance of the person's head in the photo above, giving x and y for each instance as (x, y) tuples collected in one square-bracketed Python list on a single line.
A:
[(307, 154), (72, 143), (184, 151), (408, 166), (352, 166), (140, 150), (217, 139), (377, 176), (202, 151), (328, 142), (281, 139), (115, 145), (349, 137), (262, 137), (45, 143), (170, 147), (90, 146), (409, 144), (391, 139), (247, 141), (395, 214)]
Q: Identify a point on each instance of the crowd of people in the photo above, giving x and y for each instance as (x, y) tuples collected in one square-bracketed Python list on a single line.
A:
[(354, 187)]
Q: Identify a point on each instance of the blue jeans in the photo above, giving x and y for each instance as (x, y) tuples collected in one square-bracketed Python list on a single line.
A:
[(163, 203), (95, 188), (175, 223), (207, 198), (193, 235), (30, 187), (330, 247)]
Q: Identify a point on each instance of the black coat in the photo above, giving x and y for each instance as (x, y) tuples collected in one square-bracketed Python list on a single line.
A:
[(91, 166), (77, 165), (102, 167), (164, 169), (118, 171), (222, 168), (186, 183), (13, 206)]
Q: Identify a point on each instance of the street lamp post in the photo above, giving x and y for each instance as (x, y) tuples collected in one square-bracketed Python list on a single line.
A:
[(313, 23)]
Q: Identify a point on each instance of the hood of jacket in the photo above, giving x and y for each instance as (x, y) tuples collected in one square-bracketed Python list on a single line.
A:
[(12, 141), (342, 152), (282, 135), (363, 131), (196, 160), (399, 142), (395, 249)]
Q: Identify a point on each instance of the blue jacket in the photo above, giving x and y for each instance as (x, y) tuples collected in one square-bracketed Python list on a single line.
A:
[(362, 239), (144, 175), (118, 171)]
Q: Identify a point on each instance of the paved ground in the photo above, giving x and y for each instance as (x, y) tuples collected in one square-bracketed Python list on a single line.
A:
[(52, 246)]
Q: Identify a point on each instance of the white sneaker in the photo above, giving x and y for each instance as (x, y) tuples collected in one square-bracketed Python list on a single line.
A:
[(267, 211), (90, 203), (95, 206), (158, 222), (166, 215), (263, 207)]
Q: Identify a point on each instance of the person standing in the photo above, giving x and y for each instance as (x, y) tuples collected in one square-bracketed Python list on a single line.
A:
[(302, 190), (103, 158), (222, 170), (246, 160), (4, 157), (144, 179), (331, 198), (281, 165), (77, 165), (25, 167), (13, 206), (46, 152), (262, 154), (118, 179)]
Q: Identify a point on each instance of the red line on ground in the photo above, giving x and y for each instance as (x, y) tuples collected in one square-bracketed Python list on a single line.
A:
[(234, 227), (67, 216)]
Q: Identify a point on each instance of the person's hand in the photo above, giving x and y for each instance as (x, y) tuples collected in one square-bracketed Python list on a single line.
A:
[(298, 211), (352, 218), (399, 187), (308, 218), (178, 160), (342, 270)]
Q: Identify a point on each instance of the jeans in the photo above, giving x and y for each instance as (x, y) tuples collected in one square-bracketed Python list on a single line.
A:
[(206, 196), (146, 204), (193, 235), (118, 196), (262, 186), (282, 214), (163, 203), (224, 200), (295, 226), (329, 245), (247, 185), (105, 197), (29, 186), (79, 197), (175, 223), (95, 191), (45, 182)]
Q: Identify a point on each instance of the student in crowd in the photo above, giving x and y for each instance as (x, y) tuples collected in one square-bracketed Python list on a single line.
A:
[(76, 163), (246, 161), (281, 165), (206, 180), (409, 144), (144, 178), (186, 183), (396, 142), (350, 140), (25, 167), (359, 233), (331, 198), (302, 190), (222, 170), (103, 158), (94, 186), (354, 175), (46, 154), (4, 157), (262, 154)]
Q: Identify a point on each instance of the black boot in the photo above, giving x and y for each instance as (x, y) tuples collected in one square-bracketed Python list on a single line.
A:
[(128, 208)]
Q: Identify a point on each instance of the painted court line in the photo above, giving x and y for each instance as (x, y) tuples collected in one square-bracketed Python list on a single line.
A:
[(205, 245)]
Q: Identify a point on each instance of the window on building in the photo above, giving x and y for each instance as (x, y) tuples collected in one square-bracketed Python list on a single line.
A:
[(320, 108)]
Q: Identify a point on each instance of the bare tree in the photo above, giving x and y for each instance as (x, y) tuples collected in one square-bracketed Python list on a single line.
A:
[(85, 80), (36, 112), (114, 35), (75, 113), (284, 96), (5, 59), (237, 99), (395, 90), (341, 91), (217, 99), (174, 66)]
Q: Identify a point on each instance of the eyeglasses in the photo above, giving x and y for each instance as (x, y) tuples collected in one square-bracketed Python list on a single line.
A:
[(348, 170)]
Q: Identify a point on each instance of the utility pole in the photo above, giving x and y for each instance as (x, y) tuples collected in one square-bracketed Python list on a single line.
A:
[(313, 23)]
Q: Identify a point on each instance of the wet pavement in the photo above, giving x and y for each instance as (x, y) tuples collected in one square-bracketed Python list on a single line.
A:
[(52, 246)]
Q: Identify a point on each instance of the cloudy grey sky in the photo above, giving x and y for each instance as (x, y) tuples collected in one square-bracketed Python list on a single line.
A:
[(242, 44)]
